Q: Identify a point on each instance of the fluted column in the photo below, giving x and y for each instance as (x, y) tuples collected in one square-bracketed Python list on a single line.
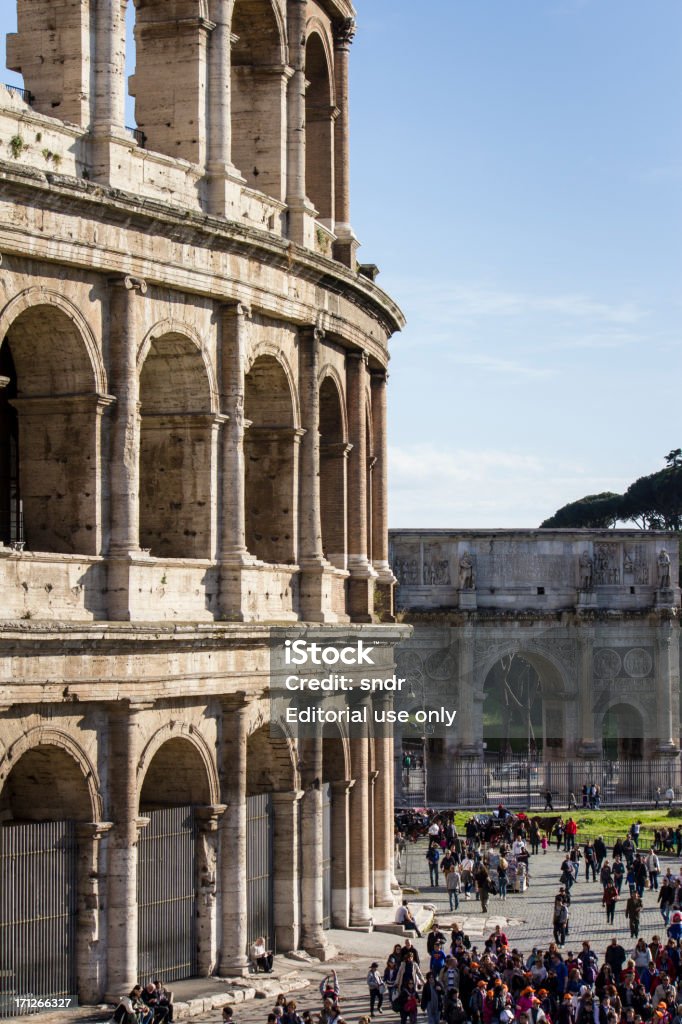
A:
[(125, 298), (359, 817), (222, 197), (232, 958), (361, 583), (122, 760), (346, 244), (313, 938), (383, 808), (232, 553)]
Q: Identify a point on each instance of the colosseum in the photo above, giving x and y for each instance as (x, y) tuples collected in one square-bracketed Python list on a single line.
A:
[(193, 457)]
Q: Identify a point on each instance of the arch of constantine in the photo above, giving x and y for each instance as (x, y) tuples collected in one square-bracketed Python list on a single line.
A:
[(192, 450), (556, 645)]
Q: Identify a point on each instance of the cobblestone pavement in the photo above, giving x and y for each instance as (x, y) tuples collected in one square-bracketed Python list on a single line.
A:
[(526, 918)]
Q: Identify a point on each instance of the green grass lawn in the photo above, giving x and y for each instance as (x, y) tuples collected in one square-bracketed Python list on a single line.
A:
[(602, 822)]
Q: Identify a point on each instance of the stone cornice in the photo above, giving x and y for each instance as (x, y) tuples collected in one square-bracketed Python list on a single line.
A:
[(96, 202)]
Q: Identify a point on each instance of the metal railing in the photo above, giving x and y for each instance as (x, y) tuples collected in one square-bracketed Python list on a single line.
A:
[(480, 784), (23, 94), (138, 135)]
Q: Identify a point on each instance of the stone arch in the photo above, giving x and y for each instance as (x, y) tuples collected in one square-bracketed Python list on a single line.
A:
[(546, 680), (258, 89), (52, 394), (271, 460), (320, 114), (178, 402), (193, 759), (623, 727), (271, 762), (268, 348), (37, 296), (333, 469), (57, 772), (171, 326)]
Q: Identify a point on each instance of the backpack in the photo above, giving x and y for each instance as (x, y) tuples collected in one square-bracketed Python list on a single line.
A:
[(562, 916)]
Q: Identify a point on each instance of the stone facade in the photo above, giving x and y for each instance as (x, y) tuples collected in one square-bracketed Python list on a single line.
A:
[(595, 615), (192, 450)]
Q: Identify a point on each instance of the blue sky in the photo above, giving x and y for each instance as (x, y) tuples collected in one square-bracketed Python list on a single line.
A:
[(517, 176)]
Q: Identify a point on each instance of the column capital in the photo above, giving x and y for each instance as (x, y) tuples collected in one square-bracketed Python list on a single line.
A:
[(344, 33), (130, 283), (208, 816), (313, 331), (358, 356), (342, 785), (92, 830), (379, 376), (237, 309)]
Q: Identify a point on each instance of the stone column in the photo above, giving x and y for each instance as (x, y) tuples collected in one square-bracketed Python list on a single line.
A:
[(371, 834), (386, 580), (667, 682), (88, 835), (588, 746), (224, 180), (313, 938), (466, 733), (340, 853), (287, 884), (205, 860), (315, 585), (232, 958), (125, 298), (361, 583), (383, 808), (109, 67), (122, 761), (359, 817), (300, 210), (232, 553), (346, 243)]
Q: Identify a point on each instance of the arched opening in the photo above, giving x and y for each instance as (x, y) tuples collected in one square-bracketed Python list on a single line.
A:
[(172, 853), (50, 436), (176, 450), (623, 733), (319, 130), (333, 475), (44, 944), (271, 461), (271, 827), (512, 709), (258, 97)]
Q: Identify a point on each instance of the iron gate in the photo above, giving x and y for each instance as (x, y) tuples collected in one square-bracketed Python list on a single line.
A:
[(166, 926), (259, 869), (327, 855), (38, 901)]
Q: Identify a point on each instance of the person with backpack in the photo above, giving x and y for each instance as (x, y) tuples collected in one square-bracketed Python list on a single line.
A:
[(432, 998), (561, 919), (590, 861), (633, 910)]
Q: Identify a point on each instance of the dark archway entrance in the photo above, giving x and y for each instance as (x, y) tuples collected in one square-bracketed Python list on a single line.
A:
[(623, 733)]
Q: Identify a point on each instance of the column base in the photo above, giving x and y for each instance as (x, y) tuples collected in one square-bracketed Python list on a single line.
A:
[(467, 600), (346, 246), (361, 587), (317, 592), (324, 952), (669, 749), (119, 589), (233, 968), (589, 751), (302, 219), (224, 190)]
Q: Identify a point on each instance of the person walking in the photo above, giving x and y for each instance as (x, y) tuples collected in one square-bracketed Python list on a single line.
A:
[(653, 866), (483, 885), (502, 877), (377, 987), (548, 801), (609, 900), (560, 921), (433, 857), (432, 999), (633, 910), (590, 861), (453, 884), (666, 898)]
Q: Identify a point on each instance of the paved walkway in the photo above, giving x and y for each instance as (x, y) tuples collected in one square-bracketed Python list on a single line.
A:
[(527, 920)]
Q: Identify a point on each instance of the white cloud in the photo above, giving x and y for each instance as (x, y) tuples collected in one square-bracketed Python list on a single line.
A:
[(432, 486), (493, 364)]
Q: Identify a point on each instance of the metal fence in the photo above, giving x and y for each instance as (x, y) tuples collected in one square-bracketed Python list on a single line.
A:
[(23, 94), (38, 902), (166, 895), (259, 869), (327, 855), (519, 784)]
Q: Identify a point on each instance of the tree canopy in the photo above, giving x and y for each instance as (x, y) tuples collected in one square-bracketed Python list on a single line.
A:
[(651, 502)]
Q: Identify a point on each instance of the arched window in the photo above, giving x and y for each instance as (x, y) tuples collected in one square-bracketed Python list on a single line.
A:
[(319, 121), (270, 449), (258, 97), (176, 450)]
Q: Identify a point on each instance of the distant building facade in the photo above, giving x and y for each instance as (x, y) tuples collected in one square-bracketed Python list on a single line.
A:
[(592, 616)]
